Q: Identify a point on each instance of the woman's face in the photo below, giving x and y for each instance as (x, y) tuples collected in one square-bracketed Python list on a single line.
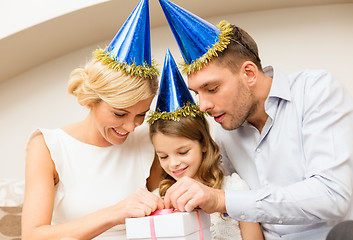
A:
[(114, 124), (178, 156)]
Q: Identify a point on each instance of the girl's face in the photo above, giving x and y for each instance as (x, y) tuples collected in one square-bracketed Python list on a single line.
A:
[(113, 125), (178, 156)]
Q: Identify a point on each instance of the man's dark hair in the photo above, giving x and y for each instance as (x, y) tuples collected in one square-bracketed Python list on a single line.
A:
[(242, 47)]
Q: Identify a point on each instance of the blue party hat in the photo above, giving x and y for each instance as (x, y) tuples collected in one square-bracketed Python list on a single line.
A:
[(174, 98), (198, 40), (130, 49)]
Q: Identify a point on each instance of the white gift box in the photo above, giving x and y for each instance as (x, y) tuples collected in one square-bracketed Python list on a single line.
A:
[(173, 226)]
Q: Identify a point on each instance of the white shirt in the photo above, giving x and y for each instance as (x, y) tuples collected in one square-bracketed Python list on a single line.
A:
[(300, 168)]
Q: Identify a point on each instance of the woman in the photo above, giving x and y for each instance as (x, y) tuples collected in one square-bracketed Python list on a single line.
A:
[(81, 179)]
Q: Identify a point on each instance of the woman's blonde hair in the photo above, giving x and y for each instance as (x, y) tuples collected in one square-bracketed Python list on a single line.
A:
[(96, 82), (194, 128)]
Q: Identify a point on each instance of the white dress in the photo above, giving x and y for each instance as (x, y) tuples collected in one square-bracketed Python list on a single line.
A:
[(92, 178), (225, 228)]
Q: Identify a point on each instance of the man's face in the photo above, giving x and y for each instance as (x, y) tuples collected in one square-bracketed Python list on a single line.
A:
[(224, 95)]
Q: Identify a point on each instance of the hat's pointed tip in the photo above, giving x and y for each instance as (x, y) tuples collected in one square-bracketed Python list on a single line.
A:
[(130, 48), (168, 56), (198, 40), (174, 99)]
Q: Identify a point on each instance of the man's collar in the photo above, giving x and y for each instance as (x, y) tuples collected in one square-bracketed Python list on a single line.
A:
[(280, 87)]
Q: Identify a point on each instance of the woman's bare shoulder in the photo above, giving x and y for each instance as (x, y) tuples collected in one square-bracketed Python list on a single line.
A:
[(35, 139)]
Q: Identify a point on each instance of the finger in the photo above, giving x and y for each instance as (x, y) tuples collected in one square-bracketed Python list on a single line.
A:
[(179, 189), (154, 202), (166, 201), (192, 204), (140, 208), (197, 195), (168, 197), (173, 194), (151, 200), (184, 200), (147, 210), (136, 212), (208, 199), (160, 204)]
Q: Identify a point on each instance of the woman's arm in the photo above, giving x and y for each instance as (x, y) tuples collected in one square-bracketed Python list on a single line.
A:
[(250, 231), (41, 178)]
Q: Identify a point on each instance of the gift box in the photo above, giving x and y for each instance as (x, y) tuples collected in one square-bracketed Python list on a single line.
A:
[(167, 224)]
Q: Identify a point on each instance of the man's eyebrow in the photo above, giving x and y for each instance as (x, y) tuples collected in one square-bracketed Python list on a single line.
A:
[(205, 85)]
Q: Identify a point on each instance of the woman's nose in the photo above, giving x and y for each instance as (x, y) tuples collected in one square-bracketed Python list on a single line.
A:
[(130, 126)]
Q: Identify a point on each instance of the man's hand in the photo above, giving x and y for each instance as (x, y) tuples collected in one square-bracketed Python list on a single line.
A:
[(187, 194)]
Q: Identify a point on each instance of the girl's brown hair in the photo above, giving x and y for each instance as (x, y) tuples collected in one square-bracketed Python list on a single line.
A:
[(193, 128)]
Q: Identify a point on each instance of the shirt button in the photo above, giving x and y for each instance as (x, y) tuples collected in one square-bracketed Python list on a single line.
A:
[(242, 217), (258, 150), (225, 215), (280, 222)]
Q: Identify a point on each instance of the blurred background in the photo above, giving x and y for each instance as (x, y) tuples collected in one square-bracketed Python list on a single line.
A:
[(42, 41)]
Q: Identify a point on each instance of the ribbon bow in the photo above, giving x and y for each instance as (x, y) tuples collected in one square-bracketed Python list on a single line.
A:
[(170, 211)]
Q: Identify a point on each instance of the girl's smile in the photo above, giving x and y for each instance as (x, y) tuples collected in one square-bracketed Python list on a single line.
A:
[(178, 156)]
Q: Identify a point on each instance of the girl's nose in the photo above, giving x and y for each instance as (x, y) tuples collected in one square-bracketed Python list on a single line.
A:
[(174, 162)]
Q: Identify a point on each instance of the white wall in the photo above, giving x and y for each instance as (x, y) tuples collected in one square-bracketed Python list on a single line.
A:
[(291, 39), (23, 14)]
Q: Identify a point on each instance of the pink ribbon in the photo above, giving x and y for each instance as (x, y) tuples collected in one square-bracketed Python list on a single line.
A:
[(152, 228), (169, 211), (163, 211), (200, 225)]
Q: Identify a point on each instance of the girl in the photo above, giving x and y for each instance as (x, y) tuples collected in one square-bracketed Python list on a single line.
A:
[(183, 144), (185, 148)]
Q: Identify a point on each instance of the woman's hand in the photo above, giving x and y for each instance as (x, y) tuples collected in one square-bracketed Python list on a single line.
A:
[(139, 204)]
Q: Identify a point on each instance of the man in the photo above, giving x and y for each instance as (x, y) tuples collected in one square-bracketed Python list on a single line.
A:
[(290, 137)]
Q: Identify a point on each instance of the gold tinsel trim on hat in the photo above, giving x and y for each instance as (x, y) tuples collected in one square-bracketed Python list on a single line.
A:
[(224, 40), (189, 110), (145, 70)]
